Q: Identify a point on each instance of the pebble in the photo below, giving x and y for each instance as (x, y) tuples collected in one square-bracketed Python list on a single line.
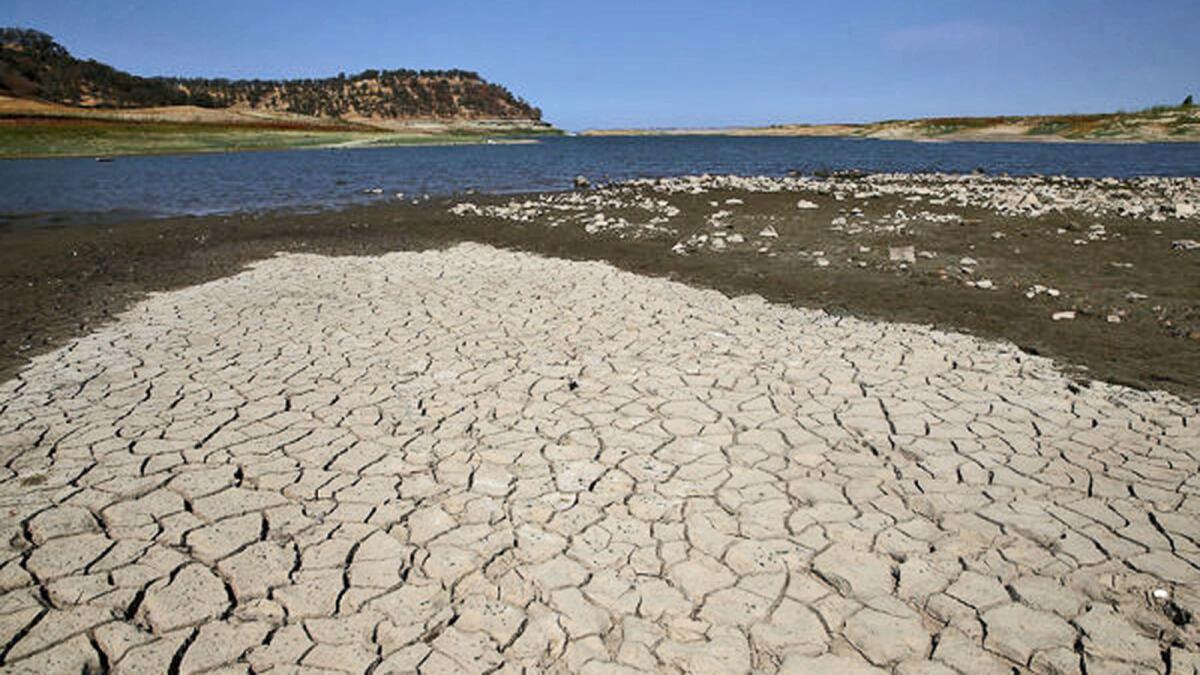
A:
[(1063, 316)]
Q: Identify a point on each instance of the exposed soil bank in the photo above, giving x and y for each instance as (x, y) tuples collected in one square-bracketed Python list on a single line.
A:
[(59, 283)]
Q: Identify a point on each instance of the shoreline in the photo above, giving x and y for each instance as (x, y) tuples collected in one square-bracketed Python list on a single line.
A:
[(61, 282), (376, 141), (985, 138)]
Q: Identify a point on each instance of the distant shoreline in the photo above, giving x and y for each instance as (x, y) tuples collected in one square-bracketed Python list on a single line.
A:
[(1179, 124)]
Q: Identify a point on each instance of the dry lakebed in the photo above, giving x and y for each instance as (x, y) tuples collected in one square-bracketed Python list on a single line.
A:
[(816, 424)]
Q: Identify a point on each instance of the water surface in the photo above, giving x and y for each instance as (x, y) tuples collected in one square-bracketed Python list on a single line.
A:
[(83, 190)]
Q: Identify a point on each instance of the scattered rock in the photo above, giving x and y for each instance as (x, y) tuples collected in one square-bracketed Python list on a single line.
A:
[(768, 232), (1185, 245), (906, 254), (582, 183), (805, 204), (1063, 316)]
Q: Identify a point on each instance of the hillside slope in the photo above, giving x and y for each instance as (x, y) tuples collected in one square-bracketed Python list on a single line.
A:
[(35, 67)]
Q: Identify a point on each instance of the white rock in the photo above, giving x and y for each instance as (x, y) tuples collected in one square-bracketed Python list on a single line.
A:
[(902, 254), (1063, 316), (768, 232), (805, 204)]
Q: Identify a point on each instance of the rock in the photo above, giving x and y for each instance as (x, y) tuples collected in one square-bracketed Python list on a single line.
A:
[(1063, 316), (736, 238), (1185, 245), (582, 183), (1029, 201), (768, 232), (1185, 209), (906, 254), (805, 204), (985, 284)]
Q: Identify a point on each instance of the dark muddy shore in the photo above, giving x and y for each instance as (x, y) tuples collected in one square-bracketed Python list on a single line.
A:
[(56, 283)]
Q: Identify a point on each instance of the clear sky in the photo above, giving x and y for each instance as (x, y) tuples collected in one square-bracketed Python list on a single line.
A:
[(678, 63)]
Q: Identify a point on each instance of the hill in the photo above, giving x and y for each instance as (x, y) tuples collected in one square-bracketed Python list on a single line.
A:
[(34, 66)]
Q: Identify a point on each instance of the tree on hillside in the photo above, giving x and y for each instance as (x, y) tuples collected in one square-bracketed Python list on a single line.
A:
[(1187, 102)]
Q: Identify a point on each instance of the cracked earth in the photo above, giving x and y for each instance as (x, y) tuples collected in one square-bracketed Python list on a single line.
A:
[(475, 460)]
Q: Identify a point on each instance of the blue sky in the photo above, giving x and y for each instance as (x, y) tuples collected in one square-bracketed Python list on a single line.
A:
[(678, 63)]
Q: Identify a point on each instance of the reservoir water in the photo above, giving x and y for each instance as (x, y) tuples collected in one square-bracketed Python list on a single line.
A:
[(83, 190)]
